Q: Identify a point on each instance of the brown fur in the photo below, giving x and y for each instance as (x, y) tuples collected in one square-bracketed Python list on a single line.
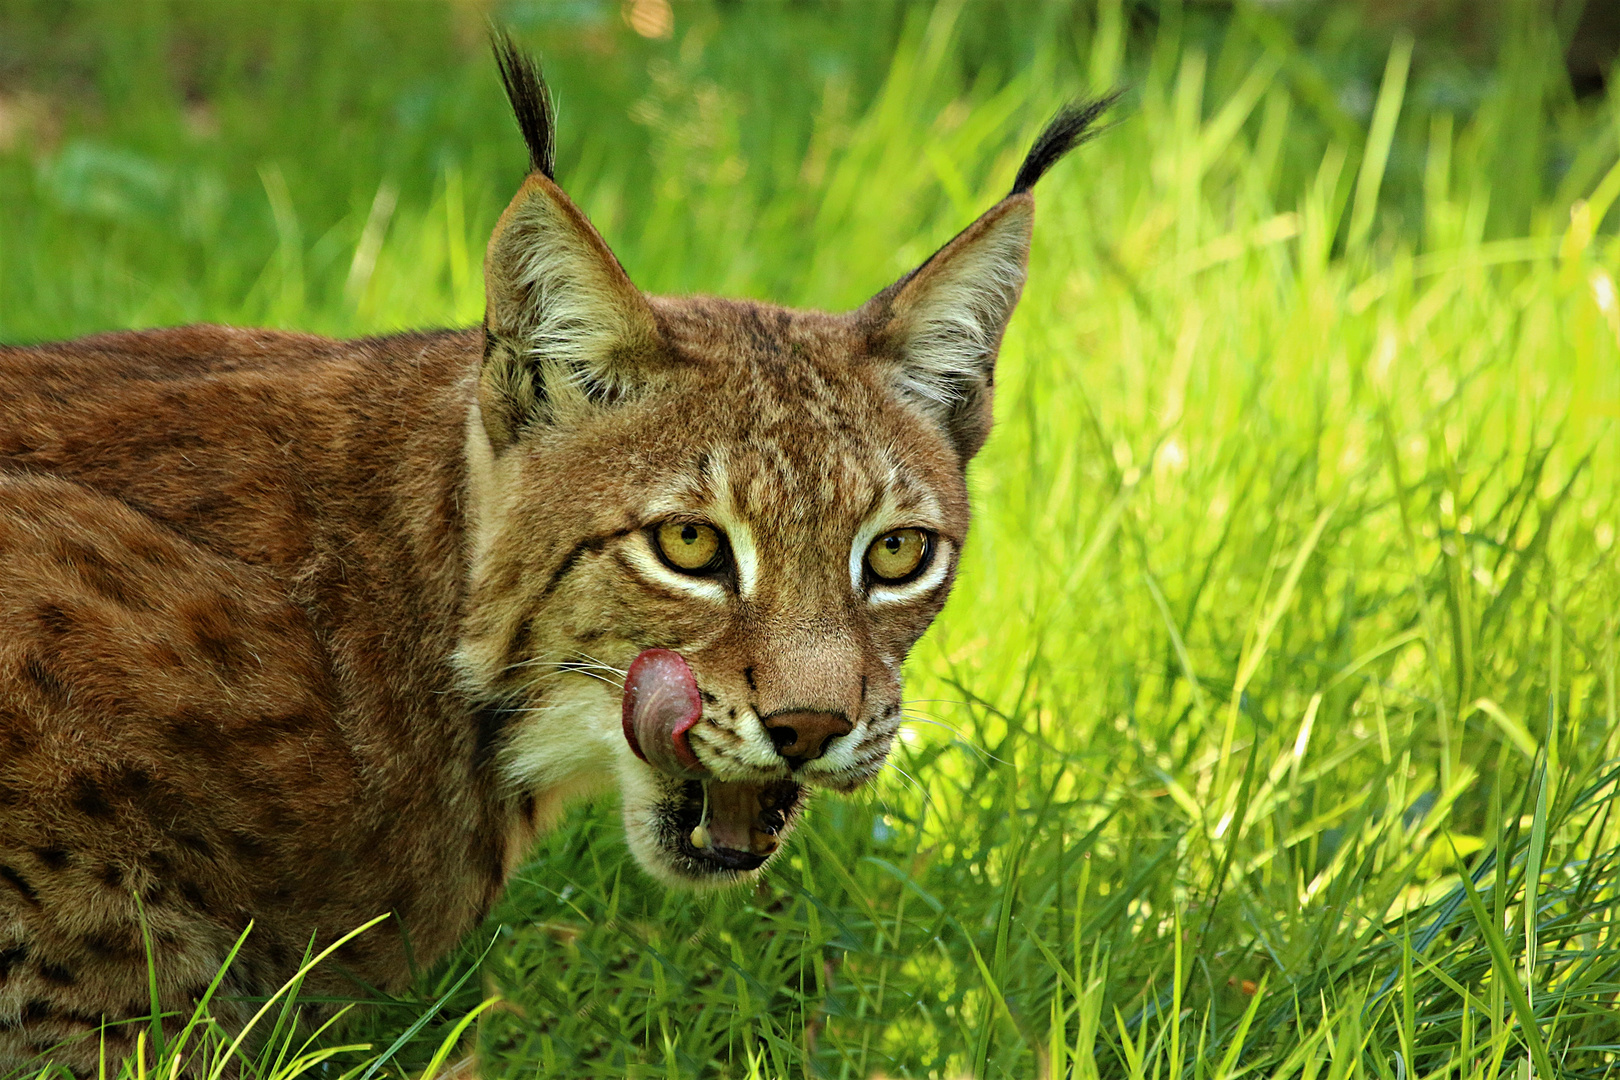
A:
[(298, 632), (210, 541)]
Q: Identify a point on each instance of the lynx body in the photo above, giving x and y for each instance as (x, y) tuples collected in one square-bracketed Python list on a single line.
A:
[(300, 632)]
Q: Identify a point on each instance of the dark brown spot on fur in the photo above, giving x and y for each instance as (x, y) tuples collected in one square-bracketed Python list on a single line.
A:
[(152, 553), (36, 1011), (133, 782), (220, 649), (53, 620), (167, 656), (89, 800), (43, 679), (111, 876), (759, 336), (195, 843), (212, 631), (100, 575), (277, 819), (104, 945), (196, 736), (272, 729), (57, 975), (10, 957), (748, 675), (193, 894), (54, 858), (212, 503), (17, 881)]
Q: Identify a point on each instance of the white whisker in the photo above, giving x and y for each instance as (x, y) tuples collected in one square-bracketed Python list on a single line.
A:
[(957, 734), (601, 664), (589, 674), (908, 718), (928, 800)]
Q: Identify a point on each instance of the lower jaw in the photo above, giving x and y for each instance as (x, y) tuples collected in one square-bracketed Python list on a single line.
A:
[(717, 861)]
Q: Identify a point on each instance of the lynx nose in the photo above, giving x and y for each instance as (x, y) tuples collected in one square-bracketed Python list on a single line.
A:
[(803, 736)]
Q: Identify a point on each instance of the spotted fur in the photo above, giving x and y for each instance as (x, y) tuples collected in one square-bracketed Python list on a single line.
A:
[(296, 632)]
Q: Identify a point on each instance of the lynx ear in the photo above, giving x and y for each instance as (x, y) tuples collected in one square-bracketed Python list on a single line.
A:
[(565, 329), (939, 328)]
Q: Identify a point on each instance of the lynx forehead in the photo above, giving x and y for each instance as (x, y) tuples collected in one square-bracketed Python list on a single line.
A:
[(297, 632)]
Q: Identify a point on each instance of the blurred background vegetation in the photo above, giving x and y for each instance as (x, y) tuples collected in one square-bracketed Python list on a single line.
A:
[(1272, 725), (160, 136)]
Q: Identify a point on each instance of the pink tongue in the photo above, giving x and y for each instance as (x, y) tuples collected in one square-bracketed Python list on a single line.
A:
[(660, 705)]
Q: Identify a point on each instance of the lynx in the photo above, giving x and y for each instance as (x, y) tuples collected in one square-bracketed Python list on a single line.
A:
[(296, 632)]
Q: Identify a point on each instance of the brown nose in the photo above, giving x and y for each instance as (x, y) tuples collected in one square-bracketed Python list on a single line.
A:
[(803, 736)]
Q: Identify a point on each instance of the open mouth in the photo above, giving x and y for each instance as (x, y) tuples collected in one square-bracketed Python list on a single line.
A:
[(718, 825), (731, 826)]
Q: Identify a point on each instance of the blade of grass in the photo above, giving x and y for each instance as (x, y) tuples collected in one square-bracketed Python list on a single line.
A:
[(1508, 980)]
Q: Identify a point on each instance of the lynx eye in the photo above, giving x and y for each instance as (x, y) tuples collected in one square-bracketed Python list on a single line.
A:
[(900, 555), (688, 546)]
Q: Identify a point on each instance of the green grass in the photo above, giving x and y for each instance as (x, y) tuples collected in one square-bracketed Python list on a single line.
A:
[(1272, 726)]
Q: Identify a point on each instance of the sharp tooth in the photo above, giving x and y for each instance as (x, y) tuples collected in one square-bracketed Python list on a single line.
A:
[(700, 833)]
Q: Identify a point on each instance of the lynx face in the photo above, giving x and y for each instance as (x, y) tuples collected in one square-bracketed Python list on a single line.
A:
[(771, 510), (707, 532)]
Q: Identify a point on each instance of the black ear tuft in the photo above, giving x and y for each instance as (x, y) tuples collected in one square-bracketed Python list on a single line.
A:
[(531, 101), (1068, 129)]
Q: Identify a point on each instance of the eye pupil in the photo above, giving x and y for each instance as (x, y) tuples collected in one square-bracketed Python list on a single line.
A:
[(689, 534)]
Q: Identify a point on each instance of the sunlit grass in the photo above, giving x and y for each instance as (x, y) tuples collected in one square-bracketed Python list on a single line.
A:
[(1271, 728)]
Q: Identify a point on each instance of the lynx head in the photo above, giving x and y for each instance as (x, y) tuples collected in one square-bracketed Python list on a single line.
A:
[(707, 531)]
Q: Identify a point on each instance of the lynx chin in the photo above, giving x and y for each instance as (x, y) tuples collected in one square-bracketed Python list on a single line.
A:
[(299, 632)]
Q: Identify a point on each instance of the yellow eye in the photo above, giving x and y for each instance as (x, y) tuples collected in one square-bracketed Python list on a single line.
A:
[(898, 555), (688, 546)]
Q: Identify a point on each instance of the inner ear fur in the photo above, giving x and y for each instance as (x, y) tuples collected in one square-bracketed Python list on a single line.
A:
[(938, 330), (566, 330)]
